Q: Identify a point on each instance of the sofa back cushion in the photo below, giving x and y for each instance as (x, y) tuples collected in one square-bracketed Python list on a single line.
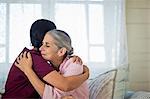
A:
[(120, 82), (102, 86)]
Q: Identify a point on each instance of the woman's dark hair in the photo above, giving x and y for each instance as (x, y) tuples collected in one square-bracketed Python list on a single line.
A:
[(38, 30)]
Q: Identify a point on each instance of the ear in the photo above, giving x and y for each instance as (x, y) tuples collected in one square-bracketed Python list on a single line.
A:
[(62, 51)]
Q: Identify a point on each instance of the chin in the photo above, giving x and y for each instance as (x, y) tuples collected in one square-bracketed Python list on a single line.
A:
[(44, 57)]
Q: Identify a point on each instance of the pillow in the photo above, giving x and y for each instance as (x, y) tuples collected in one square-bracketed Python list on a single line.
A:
[(120, 82), (141, 95), (101, 87)]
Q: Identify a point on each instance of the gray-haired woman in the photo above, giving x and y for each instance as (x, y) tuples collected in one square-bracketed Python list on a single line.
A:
[(56, 48)]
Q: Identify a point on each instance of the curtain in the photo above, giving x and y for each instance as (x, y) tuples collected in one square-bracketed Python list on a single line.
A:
[(121, 36), (115, 40), (97, 29)]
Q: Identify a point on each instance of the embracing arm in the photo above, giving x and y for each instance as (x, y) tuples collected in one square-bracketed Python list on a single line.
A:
[(66, 83), (35, 81), (53, 78), (57, 80)]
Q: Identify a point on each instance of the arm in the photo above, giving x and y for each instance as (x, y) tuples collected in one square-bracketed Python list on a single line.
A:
[(57, 80), (35, 81), (53, 78), (66, 83)]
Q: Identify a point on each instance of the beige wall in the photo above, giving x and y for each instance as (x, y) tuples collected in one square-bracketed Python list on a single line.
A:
[(138, 29)]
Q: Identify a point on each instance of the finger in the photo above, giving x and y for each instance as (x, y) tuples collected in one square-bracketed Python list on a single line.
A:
[(29, 55), (85, 68), (74, 59), (25, 54), (17, 65), (81, 61), (70, 97), (21, 55), (18, 60), (78, 60)]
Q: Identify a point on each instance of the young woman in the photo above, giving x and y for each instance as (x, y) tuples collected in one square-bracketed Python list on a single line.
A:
[(56, 48)]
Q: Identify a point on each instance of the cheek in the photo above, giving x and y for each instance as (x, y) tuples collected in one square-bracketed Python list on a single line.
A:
[(51, 53)]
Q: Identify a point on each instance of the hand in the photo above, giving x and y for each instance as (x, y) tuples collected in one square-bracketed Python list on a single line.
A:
[(77, 59), (24, 61), (86, 71), (67, 97)]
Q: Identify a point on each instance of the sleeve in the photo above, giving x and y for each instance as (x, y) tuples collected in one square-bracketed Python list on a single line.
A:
[(48, 92), (73, 69), (41, 66)]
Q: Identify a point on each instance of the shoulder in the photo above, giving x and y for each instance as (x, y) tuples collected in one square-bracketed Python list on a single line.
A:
[(71, 64), (36, 57), (71, 68)]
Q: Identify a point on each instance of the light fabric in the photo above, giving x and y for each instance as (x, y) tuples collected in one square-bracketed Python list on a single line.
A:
[(114, 29), (102, 86), (120, 35), (68, 68), (109, 85), (120, 82), (141, 95)]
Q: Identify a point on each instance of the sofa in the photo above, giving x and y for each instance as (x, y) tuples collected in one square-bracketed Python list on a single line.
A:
[(108, 85)]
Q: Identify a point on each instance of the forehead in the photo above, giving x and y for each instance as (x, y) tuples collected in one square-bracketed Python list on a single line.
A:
[(48, 38)]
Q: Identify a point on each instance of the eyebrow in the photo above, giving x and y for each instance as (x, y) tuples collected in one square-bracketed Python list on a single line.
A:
[(46, 42), (51, 43)]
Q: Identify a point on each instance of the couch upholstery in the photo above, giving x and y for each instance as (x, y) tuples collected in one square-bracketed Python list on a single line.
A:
[(109, 85), (101, 87)]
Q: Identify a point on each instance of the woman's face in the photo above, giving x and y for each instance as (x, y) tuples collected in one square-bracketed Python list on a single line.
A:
[(49, 49)]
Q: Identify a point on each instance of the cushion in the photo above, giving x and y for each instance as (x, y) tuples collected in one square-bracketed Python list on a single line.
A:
[(102, 86), (141, 95), (120, 82)]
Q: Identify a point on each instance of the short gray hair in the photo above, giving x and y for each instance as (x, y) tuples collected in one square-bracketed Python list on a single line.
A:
[(62, 39)]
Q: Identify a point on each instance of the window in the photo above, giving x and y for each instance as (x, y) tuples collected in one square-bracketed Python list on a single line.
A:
[(90, 23), (85, 23), (2, 32), (16, 19), (19, 33)]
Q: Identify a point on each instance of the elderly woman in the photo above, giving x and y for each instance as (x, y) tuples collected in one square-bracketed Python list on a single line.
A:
[(56, 48)]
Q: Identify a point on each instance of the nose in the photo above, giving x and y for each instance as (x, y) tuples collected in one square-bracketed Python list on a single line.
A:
[(41, 48)]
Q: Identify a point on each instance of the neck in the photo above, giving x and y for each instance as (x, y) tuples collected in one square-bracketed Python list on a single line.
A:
[(35, 48), (56, 63)]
